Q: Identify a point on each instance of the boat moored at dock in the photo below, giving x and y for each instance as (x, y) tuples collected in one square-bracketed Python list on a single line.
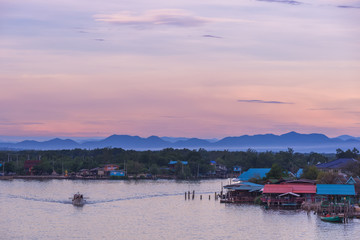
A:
[(332, 218)]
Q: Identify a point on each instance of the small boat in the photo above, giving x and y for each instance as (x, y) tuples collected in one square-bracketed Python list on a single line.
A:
[(332, 218), (78, 200)]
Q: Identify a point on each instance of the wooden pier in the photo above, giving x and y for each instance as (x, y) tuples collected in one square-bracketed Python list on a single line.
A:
[(342, 210)]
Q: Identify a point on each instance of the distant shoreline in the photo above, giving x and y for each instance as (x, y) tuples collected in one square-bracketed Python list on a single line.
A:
[(49, 177)]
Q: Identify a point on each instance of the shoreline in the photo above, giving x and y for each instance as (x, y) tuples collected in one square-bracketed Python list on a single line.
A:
[(50, 177)]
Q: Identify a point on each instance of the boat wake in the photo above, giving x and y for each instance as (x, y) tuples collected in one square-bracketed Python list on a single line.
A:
[(67, 201), (100, 201)]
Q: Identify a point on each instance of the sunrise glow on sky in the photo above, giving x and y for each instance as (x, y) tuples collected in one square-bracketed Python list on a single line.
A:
[(180, 68)]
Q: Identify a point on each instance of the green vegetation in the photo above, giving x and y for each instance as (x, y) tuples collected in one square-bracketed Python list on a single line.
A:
[(310, 172), (156, 162), (276, 172)]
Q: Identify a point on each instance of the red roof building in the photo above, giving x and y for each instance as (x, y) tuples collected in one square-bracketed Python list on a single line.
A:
[(286, 188), (288, 195), (110, 167)]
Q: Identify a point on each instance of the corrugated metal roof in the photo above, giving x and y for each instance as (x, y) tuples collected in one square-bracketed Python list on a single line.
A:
[(338, 163), (299, 173), (245, 186), (254, 173), (285, 188), (175, 162), (335, 189)]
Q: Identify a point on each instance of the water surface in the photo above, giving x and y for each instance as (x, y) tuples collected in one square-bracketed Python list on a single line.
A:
[(148, 210)]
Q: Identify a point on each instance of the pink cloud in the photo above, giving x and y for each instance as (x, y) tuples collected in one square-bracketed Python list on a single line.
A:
[(172, 17)]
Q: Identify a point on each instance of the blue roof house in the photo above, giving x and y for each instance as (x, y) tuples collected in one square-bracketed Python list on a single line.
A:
[(242, 192), (175, 162), (245, 186), (172, 164), (237, 169), (335, 189), (299, 173), (336, 165), (336, 192), (117, 173), (253, 173)]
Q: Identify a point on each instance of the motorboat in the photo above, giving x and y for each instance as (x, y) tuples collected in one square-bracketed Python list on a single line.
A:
[(78, 200)]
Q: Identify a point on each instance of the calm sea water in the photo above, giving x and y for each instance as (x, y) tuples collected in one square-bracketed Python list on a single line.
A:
[(148, 210)]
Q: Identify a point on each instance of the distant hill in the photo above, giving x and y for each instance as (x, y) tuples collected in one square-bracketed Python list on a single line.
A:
[(265, 142), (348, 137)]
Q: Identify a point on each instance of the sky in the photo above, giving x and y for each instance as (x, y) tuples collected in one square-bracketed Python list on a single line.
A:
[(180, 68)]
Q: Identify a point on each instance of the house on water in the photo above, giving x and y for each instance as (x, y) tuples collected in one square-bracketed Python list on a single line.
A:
[(244, 192), (335, 193), (288, 195)]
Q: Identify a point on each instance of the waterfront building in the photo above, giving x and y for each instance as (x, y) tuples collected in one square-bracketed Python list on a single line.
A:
[(110, 167), (288, 194), (244, 192), (117, 173), (336, 193)]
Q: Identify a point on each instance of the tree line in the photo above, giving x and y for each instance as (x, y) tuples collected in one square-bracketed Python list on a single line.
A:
[(156, 162)]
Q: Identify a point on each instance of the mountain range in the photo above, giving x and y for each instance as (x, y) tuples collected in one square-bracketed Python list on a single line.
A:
[(265, 142)]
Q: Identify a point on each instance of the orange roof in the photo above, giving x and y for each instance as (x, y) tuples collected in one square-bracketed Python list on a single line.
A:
[(285, 188)]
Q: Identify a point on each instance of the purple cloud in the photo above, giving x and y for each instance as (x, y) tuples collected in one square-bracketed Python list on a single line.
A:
[(210, 36), (262, 101), (282, 1), (344, 6), (325, 109), (20, 123)]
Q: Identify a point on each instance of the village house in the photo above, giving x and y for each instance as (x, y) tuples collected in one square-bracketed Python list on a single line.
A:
[(337, 165), (219, 169), (335, 193), (244, 192), (288, 194), (172, 164), (257, 173)]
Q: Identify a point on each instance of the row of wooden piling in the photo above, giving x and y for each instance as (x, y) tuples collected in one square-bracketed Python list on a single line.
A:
[(345, 211), (188, 195)]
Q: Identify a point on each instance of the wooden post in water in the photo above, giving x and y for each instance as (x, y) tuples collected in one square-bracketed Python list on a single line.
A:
[(193, 196), (189, 195), (215, 196), (185, 195), (209, 197), (200, 197)]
